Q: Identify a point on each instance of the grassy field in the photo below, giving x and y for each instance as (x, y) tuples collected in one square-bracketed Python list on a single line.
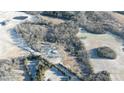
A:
[(114, 67)]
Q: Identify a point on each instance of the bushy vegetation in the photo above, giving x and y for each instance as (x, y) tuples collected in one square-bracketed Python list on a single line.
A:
[(100, 76), (33, 34), (6, 73), (43, 65), (106, 52), (65, 34), (33, 12), (61, 32), (96, 22), (60, 14), (120, 12), (40, 31)]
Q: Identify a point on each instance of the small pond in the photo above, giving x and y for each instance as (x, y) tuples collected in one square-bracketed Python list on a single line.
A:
[(20, 17)]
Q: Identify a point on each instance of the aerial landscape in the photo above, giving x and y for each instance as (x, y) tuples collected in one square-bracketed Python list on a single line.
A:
[(61, 45)]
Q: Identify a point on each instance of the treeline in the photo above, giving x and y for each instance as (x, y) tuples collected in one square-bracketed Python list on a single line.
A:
[(96, 22), (60, 14), (33, 34), (65, 34)]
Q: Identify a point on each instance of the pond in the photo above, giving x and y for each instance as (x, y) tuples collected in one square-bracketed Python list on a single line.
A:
[(20, 17)]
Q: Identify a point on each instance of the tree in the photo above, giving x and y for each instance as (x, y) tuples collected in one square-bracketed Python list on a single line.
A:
[(106, 52)]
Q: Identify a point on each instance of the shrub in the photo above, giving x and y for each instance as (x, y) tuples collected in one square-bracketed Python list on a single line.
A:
[(105, 52), (60, 14), (101, 76)]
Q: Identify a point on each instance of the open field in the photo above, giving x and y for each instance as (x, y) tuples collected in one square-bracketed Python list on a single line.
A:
[(8, 45), (115, 66)]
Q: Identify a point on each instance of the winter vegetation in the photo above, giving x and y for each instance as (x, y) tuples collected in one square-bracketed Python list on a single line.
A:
[(105, 52), (60, 14), (61, 45)]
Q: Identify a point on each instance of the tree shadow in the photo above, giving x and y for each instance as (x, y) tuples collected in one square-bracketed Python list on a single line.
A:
[(93, 54), (19, 41)]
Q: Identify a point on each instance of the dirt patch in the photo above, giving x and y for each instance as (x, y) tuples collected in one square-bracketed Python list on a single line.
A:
[(69, 61), (119, 17), (53, 20)]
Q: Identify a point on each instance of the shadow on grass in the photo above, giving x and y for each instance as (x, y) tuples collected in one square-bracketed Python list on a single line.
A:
[(93, 54), (19, 41)]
